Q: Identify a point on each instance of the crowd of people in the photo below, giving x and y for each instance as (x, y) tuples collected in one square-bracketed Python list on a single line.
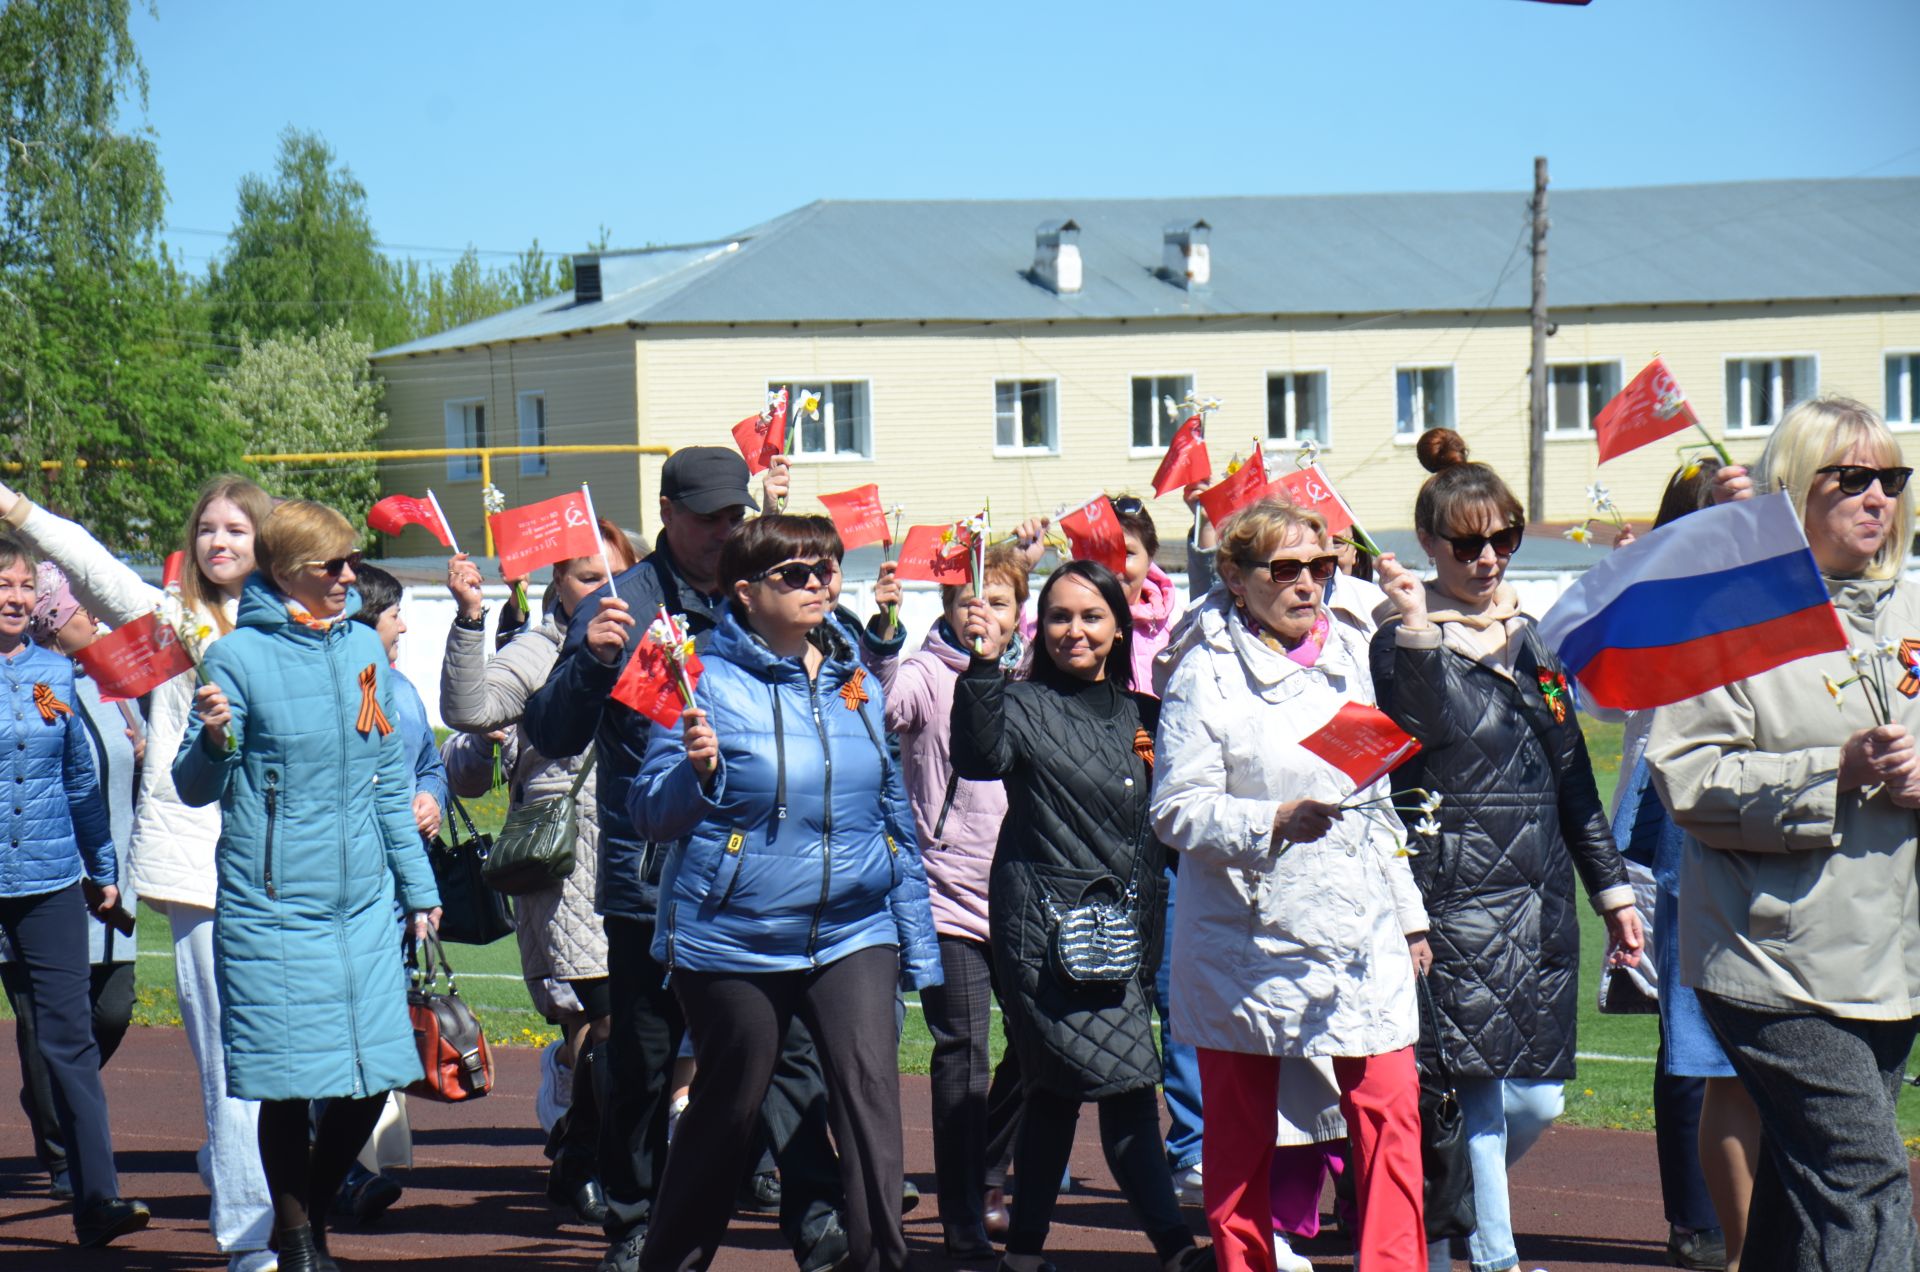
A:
[(1099, 818)]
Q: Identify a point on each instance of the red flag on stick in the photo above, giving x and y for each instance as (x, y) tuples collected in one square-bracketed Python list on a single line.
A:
[(135, 659), (929, 556), (1649, 408), (170, 572), (1237, 491), (1362, 742), (761, 437), (651, 685), (1094, 532), (858, 516), (544, 533), (1186, 459), (396, 512), (1310, 489)]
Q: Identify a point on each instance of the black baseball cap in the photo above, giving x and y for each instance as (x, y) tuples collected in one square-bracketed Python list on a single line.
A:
[(705, 479)]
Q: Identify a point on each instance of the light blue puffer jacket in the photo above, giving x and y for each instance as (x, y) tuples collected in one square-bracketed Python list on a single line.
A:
[(54, 819), (317, 825), (747, 889)]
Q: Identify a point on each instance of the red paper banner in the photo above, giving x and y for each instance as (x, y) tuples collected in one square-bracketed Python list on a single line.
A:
[(925, 557), (858, 516), (761, 437), (1310, 489), (1649, 408), (396, 512), (1186, 459), (134, 660), (544, 533), (1237, 491), (649, 685), (170, 572), (1095, 533), (1362, 742)]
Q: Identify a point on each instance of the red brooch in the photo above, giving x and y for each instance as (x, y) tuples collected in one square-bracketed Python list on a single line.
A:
[(1553, 688), (854, 693)]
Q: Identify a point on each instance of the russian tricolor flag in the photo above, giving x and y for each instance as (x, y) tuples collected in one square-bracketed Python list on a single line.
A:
[(1712, 598)]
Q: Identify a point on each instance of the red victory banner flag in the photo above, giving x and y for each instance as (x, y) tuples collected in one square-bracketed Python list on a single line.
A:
[(396, 512), (170, 572), (761, 437), (544, 533), (1362, 742), (936, 554), (1309, 489), (1649, 408), (858, 516), (1186, 459), (135, 659), (652, 684), (1094, 533), (1238, 490)]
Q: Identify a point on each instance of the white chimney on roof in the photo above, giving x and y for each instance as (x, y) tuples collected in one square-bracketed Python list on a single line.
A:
[(1056, 256), (1186, 260)]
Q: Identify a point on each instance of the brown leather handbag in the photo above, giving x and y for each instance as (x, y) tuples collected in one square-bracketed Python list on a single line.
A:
[(453, 1047)]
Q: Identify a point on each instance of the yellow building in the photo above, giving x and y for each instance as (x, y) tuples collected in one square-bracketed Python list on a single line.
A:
[(1019, 351)]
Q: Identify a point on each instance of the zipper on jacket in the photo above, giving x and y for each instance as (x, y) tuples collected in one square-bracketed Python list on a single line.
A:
[(273, 813), (341, 724), (826, 823), (736, 849)]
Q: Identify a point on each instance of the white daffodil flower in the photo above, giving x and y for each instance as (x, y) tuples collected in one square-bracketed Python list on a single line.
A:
[(493, 500), (810, 403), (1426, 826), (1431, 804), (1580, 534)]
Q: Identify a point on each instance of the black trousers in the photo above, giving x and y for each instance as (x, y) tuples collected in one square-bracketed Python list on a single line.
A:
[(1676, 1138), (1832, 1189), (740, 1023), (111, 992), (976, 1107), (49, 936), (1130, 1134), (646, 1026)]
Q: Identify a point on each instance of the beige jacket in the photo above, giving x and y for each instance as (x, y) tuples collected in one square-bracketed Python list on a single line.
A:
[(1797, 895)]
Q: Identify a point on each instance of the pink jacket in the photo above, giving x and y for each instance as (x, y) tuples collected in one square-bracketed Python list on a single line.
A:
[(919, 694)]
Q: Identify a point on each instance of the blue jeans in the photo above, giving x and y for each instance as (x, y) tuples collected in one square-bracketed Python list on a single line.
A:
[(1503, 1116), (1181, 1067)]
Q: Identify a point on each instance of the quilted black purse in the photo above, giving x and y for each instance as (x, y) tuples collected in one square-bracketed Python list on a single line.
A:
[(1443, 1135)]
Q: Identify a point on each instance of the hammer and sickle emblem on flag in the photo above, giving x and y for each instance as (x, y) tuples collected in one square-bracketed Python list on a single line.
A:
[(575, 517), (1317, 492), (1909, 685)]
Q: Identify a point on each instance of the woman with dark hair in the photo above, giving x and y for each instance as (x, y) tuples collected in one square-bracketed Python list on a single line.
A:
[(1463, 671), (1074, 747), (794, 886)]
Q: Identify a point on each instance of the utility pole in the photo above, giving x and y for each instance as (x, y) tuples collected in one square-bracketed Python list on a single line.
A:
[(1537, 369)]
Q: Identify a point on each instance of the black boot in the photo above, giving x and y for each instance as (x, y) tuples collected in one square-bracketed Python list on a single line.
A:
[(298, 1253)]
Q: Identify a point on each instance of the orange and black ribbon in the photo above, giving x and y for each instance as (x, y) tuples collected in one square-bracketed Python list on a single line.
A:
[(371, 716), (854, 692), (49, 706), (1143, 746)]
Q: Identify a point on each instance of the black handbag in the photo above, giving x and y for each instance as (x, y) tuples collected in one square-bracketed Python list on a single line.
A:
[(1099, 942), (534, 848), (1443, 1134), (471, 913)]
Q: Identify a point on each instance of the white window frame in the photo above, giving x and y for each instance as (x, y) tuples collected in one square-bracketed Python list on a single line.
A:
[(1761, 430), (454, 417), (1017, 450), (795, 420), (1159, 409), (1291, 442), (532, 465), (1585, 433), (1453, 399), (1911, 421)]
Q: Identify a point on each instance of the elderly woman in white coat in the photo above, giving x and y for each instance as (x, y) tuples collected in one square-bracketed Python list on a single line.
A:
[(1300, 927)]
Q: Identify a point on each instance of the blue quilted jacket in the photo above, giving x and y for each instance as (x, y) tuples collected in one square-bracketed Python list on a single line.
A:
[(804, 851), (316, 828), (50, 805)]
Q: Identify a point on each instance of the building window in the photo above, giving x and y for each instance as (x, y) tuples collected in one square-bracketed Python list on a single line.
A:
[(533, 432), (1759, 390), (1024, 418), (845, 426), (1297, 406), (1903, 389), (1152, 429), (466, 426), (1577, 393), (1424, 398)]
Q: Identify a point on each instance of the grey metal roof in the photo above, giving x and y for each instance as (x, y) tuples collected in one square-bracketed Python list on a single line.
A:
[(961, 260)]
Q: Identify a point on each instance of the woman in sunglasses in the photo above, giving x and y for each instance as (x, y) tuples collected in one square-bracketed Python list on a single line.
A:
[(794, 886), (1801, 930), (1299, 927), (293, 737), (1462, 670)]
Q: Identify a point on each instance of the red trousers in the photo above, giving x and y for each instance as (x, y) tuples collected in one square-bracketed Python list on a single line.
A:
[(1380, 1098)]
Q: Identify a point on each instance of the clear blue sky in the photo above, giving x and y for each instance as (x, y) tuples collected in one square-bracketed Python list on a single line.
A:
[(490, 123)]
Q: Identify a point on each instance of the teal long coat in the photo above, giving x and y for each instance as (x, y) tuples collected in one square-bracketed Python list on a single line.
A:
[(316, 830)]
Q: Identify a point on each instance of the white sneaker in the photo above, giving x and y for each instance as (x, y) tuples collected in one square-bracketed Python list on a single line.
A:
[(1285, 1260), (1186, 1186), (674, 1111), (254, 1261), (551, 1101)]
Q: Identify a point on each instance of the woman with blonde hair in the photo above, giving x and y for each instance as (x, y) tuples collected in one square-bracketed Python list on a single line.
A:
[(1801, 934), (170, 857)]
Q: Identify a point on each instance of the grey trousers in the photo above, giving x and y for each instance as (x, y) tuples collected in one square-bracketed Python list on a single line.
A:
[(1832, 1190)]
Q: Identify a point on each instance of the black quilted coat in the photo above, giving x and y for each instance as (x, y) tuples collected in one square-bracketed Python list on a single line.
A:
[(1076, 805), (1520, 815)]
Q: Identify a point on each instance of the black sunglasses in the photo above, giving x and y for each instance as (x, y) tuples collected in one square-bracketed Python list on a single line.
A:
[(1855, 478), (794, 575), (1129, 506), (1468, 547), (1286, 569), (337, 564)]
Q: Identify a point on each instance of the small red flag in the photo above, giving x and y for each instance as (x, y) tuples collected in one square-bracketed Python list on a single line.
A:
[(1649, 408), (135, 659), (544, 533), (926, 555), (170, 572), (1094, 532), (1237, 491), (761, 437), (1362, 742), (396, 512), (858, 516), (650, 685), (1310, 489), (1186, 459)]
